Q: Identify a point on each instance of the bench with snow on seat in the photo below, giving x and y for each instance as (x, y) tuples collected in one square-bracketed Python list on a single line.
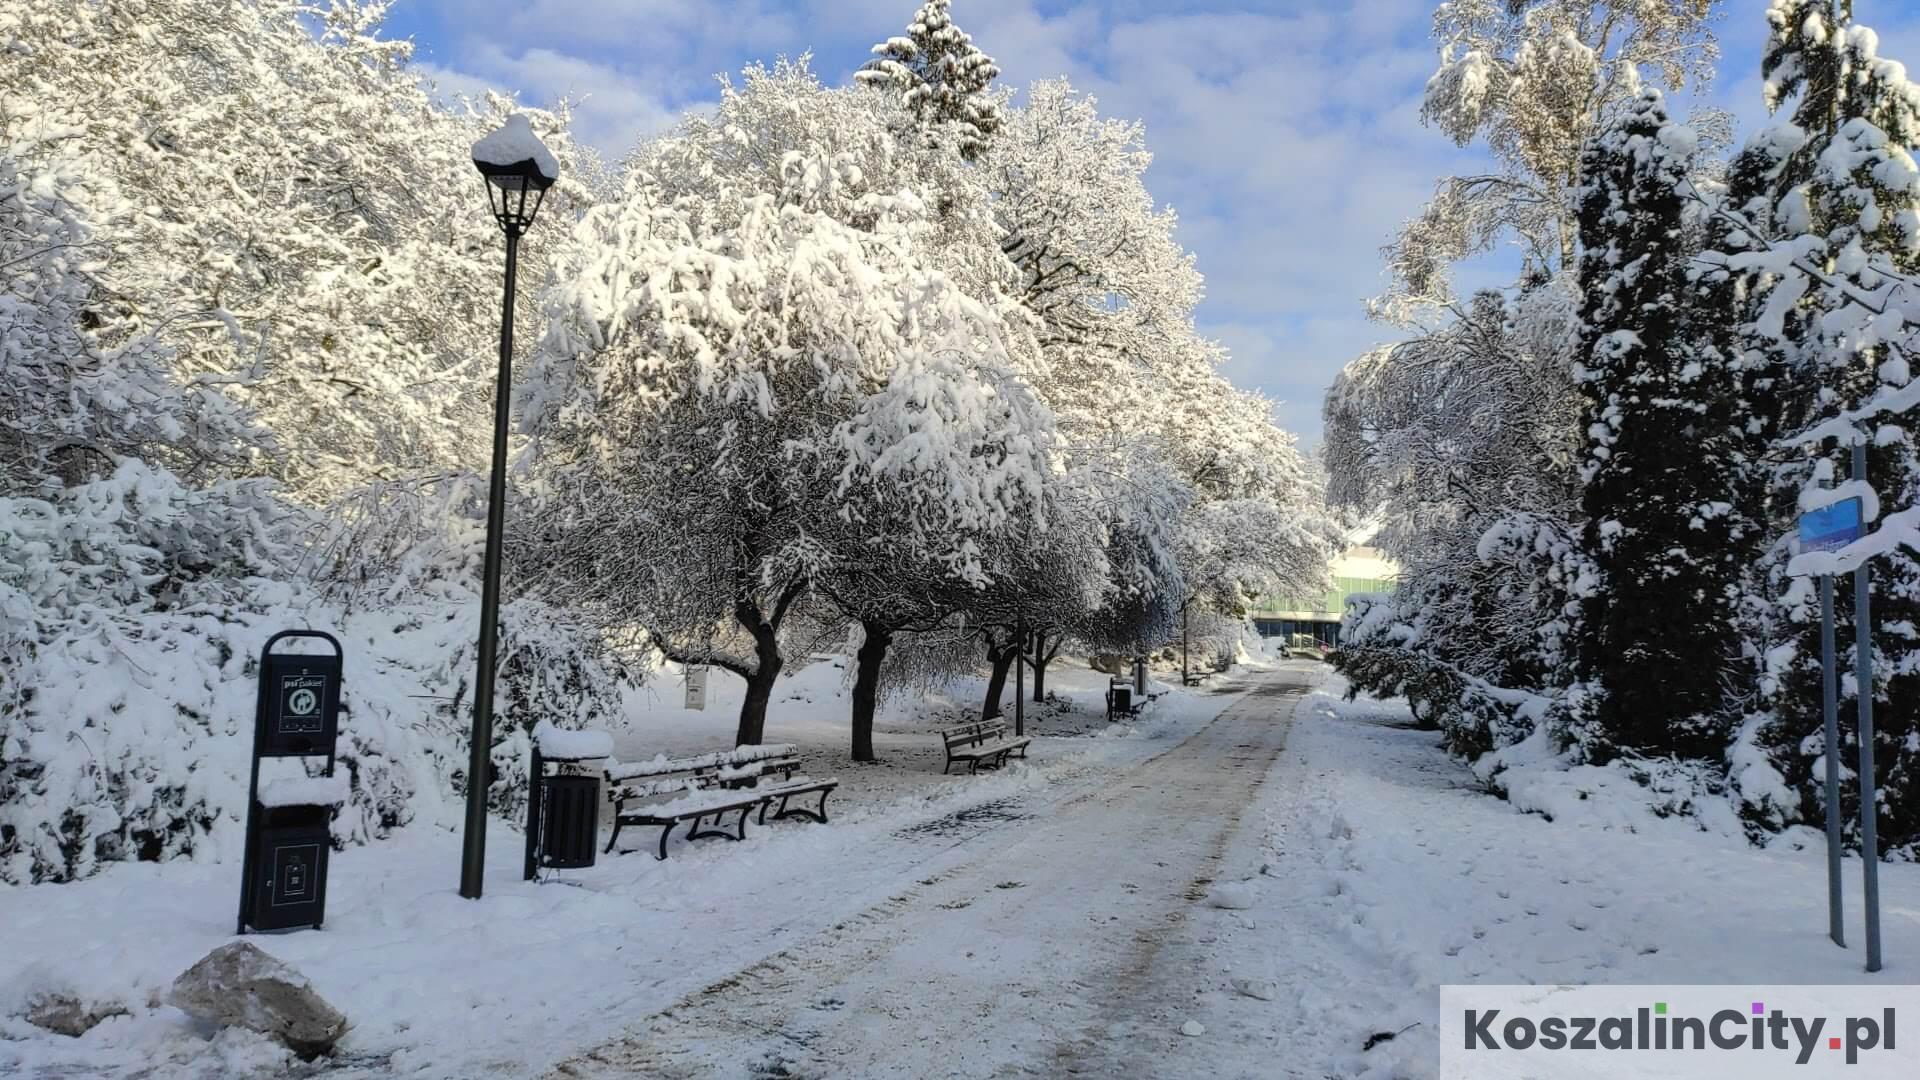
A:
[(705, 789), (982, 743)]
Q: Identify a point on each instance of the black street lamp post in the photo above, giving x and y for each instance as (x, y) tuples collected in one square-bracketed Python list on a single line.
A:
[(518, 171)]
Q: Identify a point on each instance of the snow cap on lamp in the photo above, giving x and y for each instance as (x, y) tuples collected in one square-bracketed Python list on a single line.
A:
[(515, 162)]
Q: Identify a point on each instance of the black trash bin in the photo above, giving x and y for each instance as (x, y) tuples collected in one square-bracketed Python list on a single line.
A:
[(569, 821), (289, 887), (1121, 697)]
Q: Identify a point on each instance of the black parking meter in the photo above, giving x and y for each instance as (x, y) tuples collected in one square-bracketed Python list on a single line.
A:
[(283, 882)]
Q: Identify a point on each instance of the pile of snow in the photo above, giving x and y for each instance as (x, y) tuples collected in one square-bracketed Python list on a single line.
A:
[(305, 791), (563, 745)]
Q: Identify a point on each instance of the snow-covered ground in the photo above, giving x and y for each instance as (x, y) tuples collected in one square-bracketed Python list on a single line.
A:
[(1026, 948), (439, 986), (1257, 880), (1381, 871)]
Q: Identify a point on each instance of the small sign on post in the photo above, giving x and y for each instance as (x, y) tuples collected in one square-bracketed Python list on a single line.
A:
[(696, 679), (1831, 527)]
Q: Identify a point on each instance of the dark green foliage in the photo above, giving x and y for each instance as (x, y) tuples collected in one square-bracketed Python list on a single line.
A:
[(1672, 518)]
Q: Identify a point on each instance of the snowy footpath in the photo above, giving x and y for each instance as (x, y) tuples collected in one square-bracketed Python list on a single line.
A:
[(1028, 944), (1257, 880)]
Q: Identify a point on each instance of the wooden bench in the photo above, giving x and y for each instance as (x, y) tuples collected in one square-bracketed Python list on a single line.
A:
[(707, 788), (985, 742)]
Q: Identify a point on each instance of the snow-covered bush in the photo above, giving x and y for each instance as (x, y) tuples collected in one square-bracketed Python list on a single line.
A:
[(125, 617), (172, 255), (406, 558)]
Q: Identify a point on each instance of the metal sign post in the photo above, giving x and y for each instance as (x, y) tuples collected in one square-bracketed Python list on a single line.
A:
[(283, 871), (1831, 528), (1863, 693), (1830, 707)]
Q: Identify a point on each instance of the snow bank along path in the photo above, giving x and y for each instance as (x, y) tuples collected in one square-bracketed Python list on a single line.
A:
[(1384, 871), (1030, 946)]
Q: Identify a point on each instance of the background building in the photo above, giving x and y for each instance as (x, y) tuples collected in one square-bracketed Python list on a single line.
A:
[(1360, 569)]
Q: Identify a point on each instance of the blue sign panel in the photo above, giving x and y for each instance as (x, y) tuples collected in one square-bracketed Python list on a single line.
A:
[(1830, 528)]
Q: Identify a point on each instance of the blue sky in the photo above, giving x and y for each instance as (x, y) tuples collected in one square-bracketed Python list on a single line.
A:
[(1287, 134)]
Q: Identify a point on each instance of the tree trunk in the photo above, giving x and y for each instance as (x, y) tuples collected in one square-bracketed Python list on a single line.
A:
[(866, 687), (1002, 659), (765, 630), (753, 710), (1043, 655)]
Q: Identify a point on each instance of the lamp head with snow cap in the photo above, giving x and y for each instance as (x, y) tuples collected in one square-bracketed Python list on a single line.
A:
[(516, 164)]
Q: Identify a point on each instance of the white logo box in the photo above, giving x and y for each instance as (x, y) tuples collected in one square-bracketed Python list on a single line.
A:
[(1867, 1032)]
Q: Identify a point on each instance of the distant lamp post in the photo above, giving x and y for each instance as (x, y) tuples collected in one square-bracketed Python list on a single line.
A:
[(518, 169)]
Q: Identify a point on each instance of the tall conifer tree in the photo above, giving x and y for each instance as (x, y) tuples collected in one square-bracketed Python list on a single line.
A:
[(1664, 452), (940, 75), (1848, 194)]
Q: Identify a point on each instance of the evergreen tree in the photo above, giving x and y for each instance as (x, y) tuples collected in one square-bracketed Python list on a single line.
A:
[(1665, 448), (1846, 195), (1816, 53), (941, 76)]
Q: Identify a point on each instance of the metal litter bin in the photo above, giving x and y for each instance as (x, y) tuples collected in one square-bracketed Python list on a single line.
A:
[(289, 867), (569, 821)]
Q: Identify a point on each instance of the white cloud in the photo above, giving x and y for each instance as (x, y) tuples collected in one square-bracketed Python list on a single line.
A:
[(612, 108)]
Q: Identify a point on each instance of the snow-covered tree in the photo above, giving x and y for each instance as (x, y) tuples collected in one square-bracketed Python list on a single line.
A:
[(1125, 370), (759, 376), (940, 75), (306, 230), (78, 399), (1099, 260), (1462, 445), (945, 477), (1673, 515), (1535, 79), (1829, 68), (1827, 249)]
